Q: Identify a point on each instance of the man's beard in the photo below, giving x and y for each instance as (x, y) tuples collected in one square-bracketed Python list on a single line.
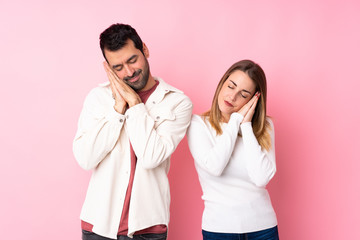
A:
[(143, 79)]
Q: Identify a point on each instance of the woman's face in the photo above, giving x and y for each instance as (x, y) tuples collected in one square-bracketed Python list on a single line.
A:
[(235, 93)]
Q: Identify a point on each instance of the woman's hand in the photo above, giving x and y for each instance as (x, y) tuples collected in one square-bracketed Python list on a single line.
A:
[(248, 109)]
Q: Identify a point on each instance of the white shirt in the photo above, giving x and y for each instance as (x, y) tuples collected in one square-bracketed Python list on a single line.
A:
[(233, 172), (102, 144)]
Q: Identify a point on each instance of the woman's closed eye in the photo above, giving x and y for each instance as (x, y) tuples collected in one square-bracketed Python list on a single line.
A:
[(231, 87), (242, 95)]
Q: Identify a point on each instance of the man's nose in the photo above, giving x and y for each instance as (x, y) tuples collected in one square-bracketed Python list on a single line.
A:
[(129, 70)]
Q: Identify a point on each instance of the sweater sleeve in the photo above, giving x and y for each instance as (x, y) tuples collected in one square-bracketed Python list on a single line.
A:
[(213, 154), (260, 163), (98, 130)]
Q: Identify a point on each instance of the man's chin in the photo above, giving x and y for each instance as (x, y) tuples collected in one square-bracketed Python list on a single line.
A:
[(136, 86)]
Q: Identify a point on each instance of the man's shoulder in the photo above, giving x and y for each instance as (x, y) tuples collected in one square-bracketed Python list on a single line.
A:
[(166, 86), (99, 93), (171, 91), (102, 88)]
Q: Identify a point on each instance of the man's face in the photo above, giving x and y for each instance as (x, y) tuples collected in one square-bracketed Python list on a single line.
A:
[(130, 65)]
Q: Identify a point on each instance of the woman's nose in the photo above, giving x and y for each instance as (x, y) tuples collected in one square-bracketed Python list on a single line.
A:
[(232, 97)]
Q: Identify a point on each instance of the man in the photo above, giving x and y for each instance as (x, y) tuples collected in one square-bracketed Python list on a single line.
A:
[(128, 129)]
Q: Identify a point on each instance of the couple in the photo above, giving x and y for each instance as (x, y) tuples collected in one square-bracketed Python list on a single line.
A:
[(129, 127)]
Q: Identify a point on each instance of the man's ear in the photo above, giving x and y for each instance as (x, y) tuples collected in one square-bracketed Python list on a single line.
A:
[(146, 51)]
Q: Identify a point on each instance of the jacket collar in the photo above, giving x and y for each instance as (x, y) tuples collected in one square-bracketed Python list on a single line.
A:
[(162, 89)]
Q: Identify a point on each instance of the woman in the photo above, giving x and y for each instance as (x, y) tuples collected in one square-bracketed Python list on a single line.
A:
[(233, 148)]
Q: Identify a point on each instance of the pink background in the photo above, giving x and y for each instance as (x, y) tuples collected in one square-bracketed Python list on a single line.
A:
[(310, 51)]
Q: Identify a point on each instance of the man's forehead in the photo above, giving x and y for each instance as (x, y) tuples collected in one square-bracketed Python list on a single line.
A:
[(122, 54)]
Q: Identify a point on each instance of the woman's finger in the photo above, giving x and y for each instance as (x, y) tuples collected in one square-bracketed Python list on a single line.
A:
[(249, 115), (246, 108), (253, 106)]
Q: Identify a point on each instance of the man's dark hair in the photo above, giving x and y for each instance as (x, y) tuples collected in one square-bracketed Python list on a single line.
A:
[(115, 37)]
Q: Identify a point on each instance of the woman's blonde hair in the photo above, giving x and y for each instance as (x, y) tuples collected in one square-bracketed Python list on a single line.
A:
[(261, 126)]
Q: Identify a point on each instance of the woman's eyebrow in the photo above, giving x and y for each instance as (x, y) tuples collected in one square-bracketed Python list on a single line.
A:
[(244, 90)]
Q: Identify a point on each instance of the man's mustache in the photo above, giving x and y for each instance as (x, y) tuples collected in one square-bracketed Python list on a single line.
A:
[(135, 74)]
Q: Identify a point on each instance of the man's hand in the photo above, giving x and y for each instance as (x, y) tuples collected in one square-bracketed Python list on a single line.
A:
[(120, 103), (121, 91), (248, 109)]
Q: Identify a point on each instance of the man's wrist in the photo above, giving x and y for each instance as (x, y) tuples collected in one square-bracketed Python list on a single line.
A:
[(131, 104), (120, 109)]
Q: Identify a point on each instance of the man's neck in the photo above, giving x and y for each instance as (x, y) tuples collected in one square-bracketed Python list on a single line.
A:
[(150, 83)]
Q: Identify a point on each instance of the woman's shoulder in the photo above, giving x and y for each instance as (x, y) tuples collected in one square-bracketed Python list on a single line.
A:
[(270, 121), (270, 126), (199, 121), (200, 127), (196, 117)]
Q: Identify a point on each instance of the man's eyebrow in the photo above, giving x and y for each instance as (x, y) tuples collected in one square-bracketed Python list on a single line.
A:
[(131, 58)]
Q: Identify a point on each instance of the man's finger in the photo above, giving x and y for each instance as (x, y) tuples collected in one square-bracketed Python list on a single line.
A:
[(113, 89)]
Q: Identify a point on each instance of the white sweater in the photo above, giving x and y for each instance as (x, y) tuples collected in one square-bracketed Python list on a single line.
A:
[(233, 172)]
